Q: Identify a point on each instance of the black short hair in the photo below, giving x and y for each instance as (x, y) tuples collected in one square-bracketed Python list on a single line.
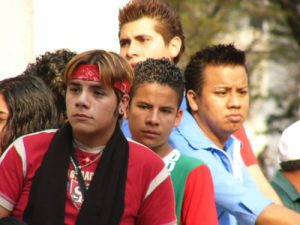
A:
[(215, 55), (160, 71), (291, 165)]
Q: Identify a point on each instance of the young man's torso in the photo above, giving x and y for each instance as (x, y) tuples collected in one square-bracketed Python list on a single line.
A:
[(144, 168)]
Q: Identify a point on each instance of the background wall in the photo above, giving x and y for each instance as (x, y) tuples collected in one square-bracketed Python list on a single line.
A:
[(31, 27)]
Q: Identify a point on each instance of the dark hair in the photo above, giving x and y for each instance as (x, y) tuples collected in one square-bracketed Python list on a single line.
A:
[(160, 71), (50, 68), (210, 56), (168, 22), (31, 107), (290, 165)]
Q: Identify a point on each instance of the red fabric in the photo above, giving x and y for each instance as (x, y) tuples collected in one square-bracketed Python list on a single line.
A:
[(86, 72), (246, 151), (198, 207), (144, 167)]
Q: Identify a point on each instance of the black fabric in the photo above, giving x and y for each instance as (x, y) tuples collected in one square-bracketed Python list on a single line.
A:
[(105, 198), (11, 221)]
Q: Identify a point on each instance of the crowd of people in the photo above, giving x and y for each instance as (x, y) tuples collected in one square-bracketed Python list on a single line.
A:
[(99, 137)]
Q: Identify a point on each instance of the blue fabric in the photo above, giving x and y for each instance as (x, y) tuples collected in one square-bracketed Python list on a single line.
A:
[(125, 128), (237, 196)]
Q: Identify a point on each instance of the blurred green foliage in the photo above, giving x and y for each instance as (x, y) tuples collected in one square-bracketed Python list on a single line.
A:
[(275, 37)]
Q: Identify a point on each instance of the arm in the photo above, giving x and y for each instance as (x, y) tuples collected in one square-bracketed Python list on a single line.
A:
[(11, 174), (4, 212), (253, 167), (198, 205), (263, 184), (278, 215)]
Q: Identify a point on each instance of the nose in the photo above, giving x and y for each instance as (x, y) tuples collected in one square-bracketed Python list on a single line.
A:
[(132, 50), (82, 100), (153, 118), (234, 100)]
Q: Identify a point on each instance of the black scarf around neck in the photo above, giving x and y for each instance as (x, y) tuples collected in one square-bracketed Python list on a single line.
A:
[(105, 199)]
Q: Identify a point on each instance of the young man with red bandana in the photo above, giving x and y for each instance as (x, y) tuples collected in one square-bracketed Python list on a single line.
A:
[(87, 172)]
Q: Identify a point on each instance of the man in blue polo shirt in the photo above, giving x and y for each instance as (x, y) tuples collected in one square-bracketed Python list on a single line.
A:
[(217, 94)]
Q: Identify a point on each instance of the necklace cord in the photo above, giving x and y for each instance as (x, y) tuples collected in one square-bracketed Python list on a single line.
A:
[(78, 173)]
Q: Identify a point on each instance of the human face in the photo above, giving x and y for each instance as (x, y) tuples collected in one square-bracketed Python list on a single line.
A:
[(139, 41), (4, 112), (92, 111), (222, 106), (153, 112)]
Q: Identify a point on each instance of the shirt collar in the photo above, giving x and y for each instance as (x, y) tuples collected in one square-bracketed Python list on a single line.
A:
[(189, 127)]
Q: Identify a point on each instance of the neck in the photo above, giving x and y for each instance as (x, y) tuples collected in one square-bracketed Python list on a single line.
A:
[(93, 140), (294, 178), (163, 150), (218, 140)]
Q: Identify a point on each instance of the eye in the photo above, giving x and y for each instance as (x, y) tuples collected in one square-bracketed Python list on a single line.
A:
[(243, 91), (143, 39), (124, 43), (166, 110), (143, 106), (73, 89), (220, 92), (99, 93)]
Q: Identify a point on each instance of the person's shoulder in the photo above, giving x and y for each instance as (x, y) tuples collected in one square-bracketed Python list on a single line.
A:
[(142, 153), (191, 163), (31, 145), (36, 139), (40, 135)]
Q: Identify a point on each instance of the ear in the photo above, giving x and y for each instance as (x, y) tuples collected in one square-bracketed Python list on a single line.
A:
[(123, 105), (178, 117), (175, 46), (192, 100)]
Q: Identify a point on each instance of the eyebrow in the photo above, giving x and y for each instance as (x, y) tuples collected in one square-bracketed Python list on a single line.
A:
[(98, 86)]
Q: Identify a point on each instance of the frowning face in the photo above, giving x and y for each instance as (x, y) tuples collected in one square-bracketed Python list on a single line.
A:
[(222, 106)]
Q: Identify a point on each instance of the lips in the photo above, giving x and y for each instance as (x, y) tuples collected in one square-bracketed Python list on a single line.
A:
[(235, 118), (150, 134), (80, 116), (132, 65)]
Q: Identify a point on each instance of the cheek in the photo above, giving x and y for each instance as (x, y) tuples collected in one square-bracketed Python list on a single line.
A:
[(123, 52)]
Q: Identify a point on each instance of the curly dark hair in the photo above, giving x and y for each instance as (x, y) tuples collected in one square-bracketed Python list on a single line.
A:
[(160, 71), (168, 21), (50, 68), (31, 107), (215, 55)]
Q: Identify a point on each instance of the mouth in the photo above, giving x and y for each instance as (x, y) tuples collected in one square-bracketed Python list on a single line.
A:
[(133, 65), (235, 118), (150, 134), (80, 116)]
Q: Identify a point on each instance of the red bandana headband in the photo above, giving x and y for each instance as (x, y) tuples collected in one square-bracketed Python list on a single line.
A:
[(90, 72)]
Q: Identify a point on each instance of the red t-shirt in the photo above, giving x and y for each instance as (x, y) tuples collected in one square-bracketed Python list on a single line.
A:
[(148, 185), (246, 151)]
